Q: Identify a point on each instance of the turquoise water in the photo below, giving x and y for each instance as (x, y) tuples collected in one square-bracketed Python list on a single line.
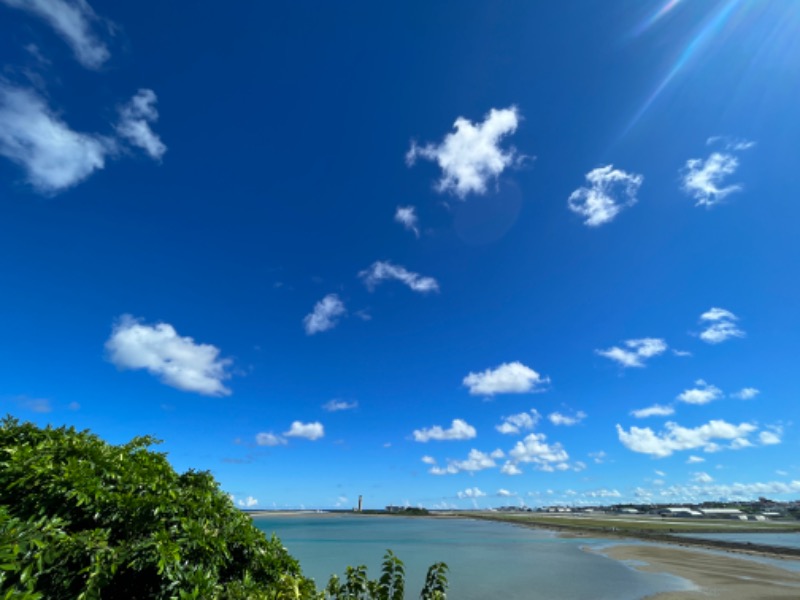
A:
[(789, 540), (486, 559)]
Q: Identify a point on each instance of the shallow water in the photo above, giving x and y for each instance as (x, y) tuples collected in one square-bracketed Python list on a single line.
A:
[(486, 559), (788, 540)]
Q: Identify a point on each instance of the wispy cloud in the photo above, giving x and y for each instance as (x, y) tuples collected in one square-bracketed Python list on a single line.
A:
[(270, 439), (517, 423), (473, 492), (135, 118), (637, 352), (54, 156), (508, 378), (37, 405), (609, 191), (407, 217), (702, 477), (325, 315), (721, 326), (676, 438), (337, 405), (381, 271), (703, 179), (657, 410), (177, 361), (471, 156), (747, 393), (557, 418), (459, 430), (73, 20), (702, 394)]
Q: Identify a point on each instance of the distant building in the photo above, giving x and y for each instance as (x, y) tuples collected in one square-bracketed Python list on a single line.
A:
[(723, 513)]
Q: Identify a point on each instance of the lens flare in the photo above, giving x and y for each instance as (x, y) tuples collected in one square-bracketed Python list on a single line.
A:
[(655, 17)]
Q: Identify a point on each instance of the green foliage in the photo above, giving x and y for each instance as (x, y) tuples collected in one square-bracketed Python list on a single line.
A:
[(390, 585), (80, 518)]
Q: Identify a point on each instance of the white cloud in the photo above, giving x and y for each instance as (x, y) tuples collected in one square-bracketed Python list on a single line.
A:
[(722, 326), (598, 457), (603, 493), (471, 156), (511, 469), (248, 502), (508, 378), (535, 450), (516, 423), (309, 431), (747, 393), (770, 438), (459, 430), (702, 394), (657, 410), (677, 438), (407, 217), (557, 418), (476, 461), (702, 178), (505, 493), (134, 123), (639, 350), (383, 270), (337, 405), (610, 190), (325, 315), (429, 460), (693, 460), (701, 477), (53, 156), (270, 439), (177, 361), (681, 353), (471, 493), (72, 20)]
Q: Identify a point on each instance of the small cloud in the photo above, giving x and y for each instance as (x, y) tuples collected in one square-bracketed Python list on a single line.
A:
[(676, 438), (505, 493), (325, 315), (557, 418), (693, 460), (510, 469), (475, 461), (534, 449), (308, 431), (702, 477), (248, 502), (637, 351), (657, 410), (270, 439), (471, 156), (177, 361), (516, 423), (471, 493), (37, 405), (508, 378), (598, 457), (610, 191), (747, 393), (681, 353), (74, 406), (702, 179), (337, 405), (702, 394), (722, 326), (135, 118), (429, 460), (459, 430), (381, 271), (407, 217), (73, 21), (771, 438)]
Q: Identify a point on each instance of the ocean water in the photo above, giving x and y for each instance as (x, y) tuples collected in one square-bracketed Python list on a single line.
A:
[(789, 540), (486, 559)]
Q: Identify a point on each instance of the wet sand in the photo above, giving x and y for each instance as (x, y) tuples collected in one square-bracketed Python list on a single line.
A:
[(714, 575)]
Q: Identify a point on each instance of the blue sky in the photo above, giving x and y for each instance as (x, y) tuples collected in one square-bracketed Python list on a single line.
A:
[(448, 254)]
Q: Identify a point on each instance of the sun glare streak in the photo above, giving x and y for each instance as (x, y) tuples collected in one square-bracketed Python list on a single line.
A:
[(655, 17), (706, 33)]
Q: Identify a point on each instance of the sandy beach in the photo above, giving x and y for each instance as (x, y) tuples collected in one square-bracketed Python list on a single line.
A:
[(716, 576)]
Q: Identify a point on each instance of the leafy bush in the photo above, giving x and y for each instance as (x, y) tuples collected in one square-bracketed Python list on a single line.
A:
[(80, 518)]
